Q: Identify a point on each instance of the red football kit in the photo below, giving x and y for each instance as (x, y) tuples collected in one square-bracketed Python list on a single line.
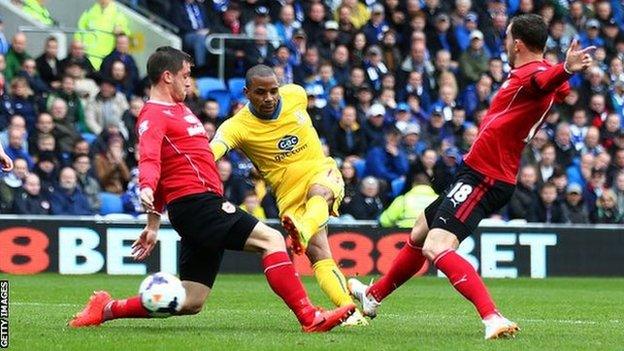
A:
[(175, 157), (516, 113)]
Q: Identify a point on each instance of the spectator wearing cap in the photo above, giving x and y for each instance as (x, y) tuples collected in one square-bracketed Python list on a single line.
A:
[(262, 18), (260, 51), (402, 116), (360, 14), (287, 24), (411, 144), (474, 61), (462, 30), (364, 101), (591, 35), (433, 133), (573, 207), (329, 40), (313, 25), (348, 139), (388, 162), (30, 200), (376, 25), (332, 112), (106, 107), (442, 37), (374, 67), (374, 125), (67, 198)]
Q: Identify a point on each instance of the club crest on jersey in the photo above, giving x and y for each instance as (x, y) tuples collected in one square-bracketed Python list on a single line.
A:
[(505, 84), (287, 142), (227, 207), (143, 127)]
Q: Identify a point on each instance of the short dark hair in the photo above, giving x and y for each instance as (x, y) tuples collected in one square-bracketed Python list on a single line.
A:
[(531, 29), (258, 71), (166, 58)]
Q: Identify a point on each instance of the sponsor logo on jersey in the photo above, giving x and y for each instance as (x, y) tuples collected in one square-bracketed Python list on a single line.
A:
[(287, 142), (196, 129), (281, 156), (191, 119), (227, 207), (143, 127)]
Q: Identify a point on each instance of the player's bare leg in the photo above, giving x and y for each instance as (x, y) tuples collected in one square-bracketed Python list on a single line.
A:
[(439, 247), (283, 279), (408, 262)]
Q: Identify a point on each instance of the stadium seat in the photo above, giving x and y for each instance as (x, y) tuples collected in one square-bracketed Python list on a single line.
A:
[(111, 203), (207, 84), (397, 186), (236, 86), (360, 168), (223, 97)]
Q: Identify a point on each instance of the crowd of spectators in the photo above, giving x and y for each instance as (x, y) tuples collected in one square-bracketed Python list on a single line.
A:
[(396, 91)]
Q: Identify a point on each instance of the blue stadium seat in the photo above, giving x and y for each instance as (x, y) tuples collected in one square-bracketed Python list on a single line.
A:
[(207, 84), (236, 86), (111, 203), (397, 187), (223, 97), (360, 168)]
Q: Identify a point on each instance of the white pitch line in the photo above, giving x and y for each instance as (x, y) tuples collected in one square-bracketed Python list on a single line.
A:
[(43, 304)]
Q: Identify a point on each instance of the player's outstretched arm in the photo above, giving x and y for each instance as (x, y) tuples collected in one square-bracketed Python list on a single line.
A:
[(219, 149), (577, 60)]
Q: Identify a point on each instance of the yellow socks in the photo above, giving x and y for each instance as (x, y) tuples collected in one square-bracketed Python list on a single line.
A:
[(332, 282)]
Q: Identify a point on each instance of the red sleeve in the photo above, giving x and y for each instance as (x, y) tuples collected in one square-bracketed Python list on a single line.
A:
[(159, 201), (151, 132), (549, 79), (562, 92)]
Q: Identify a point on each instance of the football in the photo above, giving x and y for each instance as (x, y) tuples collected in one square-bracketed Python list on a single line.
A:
[(162, 294)]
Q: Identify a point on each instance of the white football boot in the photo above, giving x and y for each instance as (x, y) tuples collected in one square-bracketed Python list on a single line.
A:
[(369, 304), (497, 326)]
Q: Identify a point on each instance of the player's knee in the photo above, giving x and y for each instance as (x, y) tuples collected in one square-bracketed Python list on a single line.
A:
[(317, 252), (319, 190), (419, 232), (438, 243), (274, 241)]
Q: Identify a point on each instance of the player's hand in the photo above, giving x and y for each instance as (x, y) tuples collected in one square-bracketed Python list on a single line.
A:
[(6, 162), (578, 59), (147, 199), (144, 245)]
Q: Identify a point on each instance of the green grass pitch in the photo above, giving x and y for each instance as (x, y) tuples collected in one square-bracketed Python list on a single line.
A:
[(243, 314)]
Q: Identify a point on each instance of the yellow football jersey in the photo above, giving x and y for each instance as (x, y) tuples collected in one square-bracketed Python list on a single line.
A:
[(284, 149)]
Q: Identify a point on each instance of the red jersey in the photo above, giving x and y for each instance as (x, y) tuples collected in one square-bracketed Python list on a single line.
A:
[(516, 113), (175, 156)]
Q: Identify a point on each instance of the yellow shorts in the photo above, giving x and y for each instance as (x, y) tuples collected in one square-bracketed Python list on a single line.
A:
[(325, 173)]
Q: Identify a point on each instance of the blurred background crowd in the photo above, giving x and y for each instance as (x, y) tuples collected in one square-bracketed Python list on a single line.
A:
[(396, 91)]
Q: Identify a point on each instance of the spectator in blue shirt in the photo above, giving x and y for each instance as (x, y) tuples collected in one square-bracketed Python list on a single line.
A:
[(388, 162), (16, 148), (66, 198), (592, 34)]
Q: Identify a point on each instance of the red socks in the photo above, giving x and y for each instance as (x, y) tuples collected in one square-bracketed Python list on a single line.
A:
[(128, 308), (465, 280), (284, 281), (409, 261)]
